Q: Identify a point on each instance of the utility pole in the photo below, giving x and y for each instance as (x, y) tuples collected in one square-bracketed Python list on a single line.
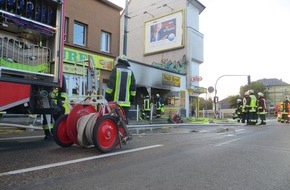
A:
[(215, 90), (125, 29)]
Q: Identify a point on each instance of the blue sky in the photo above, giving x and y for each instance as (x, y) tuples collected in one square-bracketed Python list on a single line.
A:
[(243, 37)]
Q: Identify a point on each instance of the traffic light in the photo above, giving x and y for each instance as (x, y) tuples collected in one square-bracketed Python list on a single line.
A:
[(216, 99), (249, 79)]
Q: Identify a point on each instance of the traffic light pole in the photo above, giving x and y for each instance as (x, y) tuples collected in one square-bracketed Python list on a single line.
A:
[(215, 90)]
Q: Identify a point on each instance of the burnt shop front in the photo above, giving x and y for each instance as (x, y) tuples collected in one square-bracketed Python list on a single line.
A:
[(170, 86), (86, 72)]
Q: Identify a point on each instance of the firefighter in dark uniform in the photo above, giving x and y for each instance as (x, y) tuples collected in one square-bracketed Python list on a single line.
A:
[(245, 118), (238, 112), (60, 105), (146, 108), (122, 86), (262, 108), (159, 104)]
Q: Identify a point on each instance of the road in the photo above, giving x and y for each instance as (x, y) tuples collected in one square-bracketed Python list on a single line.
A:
[(214, 157)]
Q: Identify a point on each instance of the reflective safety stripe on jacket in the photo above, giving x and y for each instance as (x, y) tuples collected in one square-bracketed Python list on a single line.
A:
[(262, 106), (146, 105), (48, 127), (121, 91), (253, 103)]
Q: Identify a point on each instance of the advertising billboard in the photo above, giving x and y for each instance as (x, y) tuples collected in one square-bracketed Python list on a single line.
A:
[(164, 33)]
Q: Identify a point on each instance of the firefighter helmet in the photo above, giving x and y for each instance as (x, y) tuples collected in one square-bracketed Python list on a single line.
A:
[(123, 60), (260, 94), (251, 91)]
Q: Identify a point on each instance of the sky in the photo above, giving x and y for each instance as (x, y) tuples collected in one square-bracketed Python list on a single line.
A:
[(243, 37)]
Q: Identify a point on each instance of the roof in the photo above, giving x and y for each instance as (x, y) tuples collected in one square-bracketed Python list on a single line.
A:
[(272, 82), (109, 3), (198, 5)]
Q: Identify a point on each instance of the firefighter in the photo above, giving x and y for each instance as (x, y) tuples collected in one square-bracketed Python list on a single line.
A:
[(60, 105), (159, 105), (238, 111), (146, 108), (285, 110), (245, 118), (252, 108), (261, 106), (122, 86)]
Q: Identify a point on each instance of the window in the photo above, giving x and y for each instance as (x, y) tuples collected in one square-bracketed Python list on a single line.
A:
[(79, 34), (105, 42), (66, 29)]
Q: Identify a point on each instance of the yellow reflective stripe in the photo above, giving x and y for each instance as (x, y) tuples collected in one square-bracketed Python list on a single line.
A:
[(66, 107), (50, 126), (63, 95), (117, 84), (133, 93), (128, 86), (109, 90), (117, 92), (124, 104)]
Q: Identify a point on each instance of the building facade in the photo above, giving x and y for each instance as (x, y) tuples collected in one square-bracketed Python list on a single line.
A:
[(165, 49), (92, 40), (277, 90)]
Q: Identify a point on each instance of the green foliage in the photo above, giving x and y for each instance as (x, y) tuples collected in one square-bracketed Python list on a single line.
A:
[(205, 104), (256, 86), (233, 101)]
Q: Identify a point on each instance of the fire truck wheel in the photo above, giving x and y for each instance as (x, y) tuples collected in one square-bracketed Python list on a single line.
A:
[(105, 134), (60, 133)]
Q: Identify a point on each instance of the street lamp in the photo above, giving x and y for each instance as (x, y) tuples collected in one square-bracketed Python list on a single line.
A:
[(215, 90)]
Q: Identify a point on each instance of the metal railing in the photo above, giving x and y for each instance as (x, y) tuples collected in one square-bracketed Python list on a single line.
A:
[(22, 56)]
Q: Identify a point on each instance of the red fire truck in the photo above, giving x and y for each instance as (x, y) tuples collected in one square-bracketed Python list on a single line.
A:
[(31, 54)]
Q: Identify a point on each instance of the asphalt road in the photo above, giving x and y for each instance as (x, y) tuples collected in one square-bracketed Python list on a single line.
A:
[(212, 157)]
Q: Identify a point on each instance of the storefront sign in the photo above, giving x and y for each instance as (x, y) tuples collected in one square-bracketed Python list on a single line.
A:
[(197, 89), (78, 70), (196, 78), (170, 80), (99, 62)]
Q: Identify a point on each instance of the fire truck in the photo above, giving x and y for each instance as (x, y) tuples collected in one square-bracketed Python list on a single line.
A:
[(31, 54)]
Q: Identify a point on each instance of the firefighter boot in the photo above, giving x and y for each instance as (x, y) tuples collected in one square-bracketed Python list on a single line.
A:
[(48, 135)]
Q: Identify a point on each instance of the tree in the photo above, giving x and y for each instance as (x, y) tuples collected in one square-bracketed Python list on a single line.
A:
[(233, 101), (256, 86), (205, 104)]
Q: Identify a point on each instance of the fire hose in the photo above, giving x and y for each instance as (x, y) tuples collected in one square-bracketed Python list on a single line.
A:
[(85, 126)]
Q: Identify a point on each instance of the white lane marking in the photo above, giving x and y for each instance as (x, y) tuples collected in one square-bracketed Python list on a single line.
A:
[(238, 130), (19, 138), (227, 142), (204, 131), (76, 161)]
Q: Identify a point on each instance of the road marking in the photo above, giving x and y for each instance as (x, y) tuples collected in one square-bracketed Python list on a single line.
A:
[(204, 131), (19, 138), (238, 130), (76, 161), (227, 142)]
